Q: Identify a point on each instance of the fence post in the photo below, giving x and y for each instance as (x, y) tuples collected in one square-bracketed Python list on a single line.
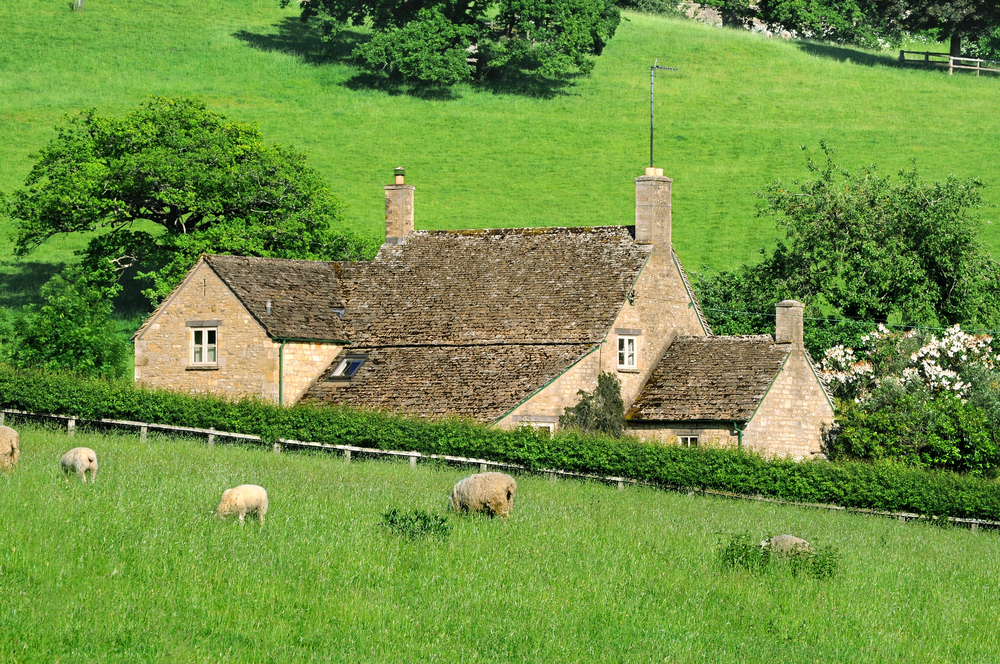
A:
[(951, 65), (621, 485), (277, 448), (902, 519), (1, 417), (482, 467), (211, 438), (975, 527), (902, 58), (71, 427), (413, 462), (143, 432), (347, 456), (552, 477)]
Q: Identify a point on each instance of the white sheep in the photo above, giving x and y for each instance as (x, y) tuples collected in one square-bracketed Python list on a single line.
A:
[(492, 493), (241, 500), (80, 460), (10, 452)]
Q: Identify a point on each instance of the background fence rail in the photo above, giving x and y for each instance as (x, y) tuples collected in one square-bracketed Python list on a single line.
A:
[(483, 464), (949, 62)]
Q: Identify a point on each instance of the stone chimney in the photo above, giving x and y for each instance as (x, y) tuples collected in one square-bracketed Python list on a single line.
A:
[(652, 208), (398, 209), (788, 323)]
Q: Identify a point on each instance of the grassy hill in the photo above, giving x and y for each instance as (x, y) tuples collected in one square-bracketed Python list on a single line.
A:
[(731, 120), (133, 568)]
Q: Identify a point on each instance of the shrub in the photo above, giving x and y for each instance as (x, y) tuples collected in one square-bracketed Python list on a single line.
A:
[(742, 552), (600, 411), (416, 524)]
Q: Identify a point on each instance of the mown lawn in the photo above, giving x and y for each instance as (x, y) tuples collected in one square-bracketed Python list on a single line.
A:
[(134, 569), (730, 121)]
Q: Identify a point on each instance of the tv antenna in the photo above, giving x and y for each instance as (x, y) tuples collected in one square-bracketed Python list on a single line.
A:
[(652, 72)]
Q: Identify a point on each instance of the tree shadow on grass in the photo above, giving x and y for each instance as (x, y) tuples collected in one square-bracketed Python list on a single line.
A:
[(21, 282), (844, 54), (306, 42)]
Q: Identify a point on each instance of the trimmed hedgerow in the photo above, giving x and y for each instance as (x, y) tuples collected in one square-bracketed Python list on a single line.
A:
[(888, 486)]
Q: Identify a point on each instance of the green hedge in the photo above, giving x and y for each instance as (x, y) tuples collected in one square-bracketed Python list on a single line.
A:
[(880, 486)]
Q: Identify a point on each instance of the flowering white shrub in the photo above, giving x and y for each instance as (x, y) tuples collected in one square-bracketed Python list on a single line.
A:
[(900, 357)]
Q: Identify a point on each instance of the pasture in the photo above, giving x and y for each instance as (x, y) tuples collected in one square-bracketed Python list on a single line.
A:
[(135, 569), (729, 122)]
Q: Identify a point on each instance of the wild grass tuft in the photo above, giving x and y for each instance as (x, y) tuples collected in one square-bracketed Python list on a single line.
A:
[(416, 524)]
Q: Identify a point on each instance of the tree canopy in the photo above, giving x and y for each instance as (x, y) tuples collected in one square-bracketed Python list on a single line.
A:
[(442, 42), (171, 180), (869, 247)]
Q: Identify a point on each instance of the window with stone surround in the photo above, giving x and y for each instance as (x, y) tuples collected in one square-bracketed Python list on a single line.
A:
[(348, 367), (687, 441), (204, 346), (628, 352)]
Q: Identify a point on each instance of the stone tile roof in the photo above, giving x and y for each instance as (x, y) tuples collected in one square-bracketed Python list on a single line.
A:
[(304, 294), (478, 381), (510, 285), (710, 378)]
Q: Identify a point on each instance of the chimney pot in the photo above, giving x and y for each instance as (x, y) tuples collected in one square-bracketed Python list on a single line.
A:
[(400, 172), (788, 323), (652, 208), (267, 306)]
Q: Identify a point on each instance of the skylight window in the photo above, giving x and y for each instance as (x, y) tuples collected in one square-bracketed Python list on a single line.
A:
[(348, 366)]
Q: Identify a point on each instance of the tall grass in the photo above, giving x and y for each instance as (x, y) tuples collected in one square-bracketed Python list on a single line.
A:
[(134, 569)]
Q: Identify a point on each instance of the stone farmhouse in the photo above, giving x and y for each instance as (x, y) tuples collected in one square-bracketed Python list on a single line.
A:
[(504, 326)]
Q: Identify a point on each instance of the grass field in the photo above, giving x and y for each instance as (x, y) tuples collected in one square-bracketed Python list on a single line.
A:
[(134, 569), (731, 120)]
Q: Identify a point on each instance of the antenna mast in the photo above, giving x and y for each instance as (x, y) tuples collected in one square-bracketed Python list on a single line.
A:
[(652, 72)]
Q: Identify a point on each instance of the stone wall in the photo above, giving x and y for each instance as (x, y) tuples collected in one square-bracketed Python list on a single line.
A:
[(794, 414), (709, 434), (304, 361), (247, 358)]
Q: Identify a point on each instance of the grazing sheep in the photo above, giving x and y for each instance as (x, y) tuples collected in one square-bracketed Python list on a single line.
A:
[(787, 545), (79, 460), (241, 500), (492, 493), (9, 450)]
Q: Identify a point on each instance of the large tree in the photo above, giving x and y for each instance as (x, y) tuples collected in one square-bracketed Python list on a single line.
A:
[(444, 42), (169, 181), (866, 246), (955, 19)]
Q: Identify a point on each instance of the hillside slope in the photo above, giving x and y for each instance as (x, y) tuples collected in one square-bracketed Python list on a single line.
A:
[(731, 120)]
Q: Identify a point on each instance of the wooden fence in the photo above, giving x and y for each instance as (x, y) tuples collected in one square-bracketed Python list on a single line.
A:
[(949, 62), (350, 451)]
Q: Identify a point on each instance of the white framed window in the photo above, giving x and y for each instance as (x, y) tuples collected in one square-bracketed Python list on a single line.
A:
[(628, 352), (687, 441), (548, 426), (204, 345), (348, 366)]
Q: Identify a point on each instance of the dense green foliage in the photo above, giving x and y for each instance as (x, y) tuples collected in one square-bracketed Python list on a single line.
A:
[(135, 569), (442, 42), (74, 331), (212, 185), (415, 524), (870, 248), (600, 411), (883, 486)]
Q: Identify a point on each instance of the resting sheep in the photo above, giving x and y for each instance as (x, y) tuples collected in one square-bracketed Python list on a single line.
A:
[(492, 493), (241, 500), (79, 460), (9, 450), (787, 545)]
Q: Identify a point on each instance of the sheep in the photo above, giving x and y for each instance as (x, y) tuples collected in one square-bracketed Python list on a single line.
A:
[(492, 493), (10, 452), (79, 460), (787, 545), (241, 500)]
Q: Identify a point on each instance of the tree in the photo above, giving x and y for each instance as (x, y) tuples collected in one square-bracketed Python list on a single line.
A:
[(208, 183), (442, 42), (869, 247), (74, 330), (600, 411), (974, 19)]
